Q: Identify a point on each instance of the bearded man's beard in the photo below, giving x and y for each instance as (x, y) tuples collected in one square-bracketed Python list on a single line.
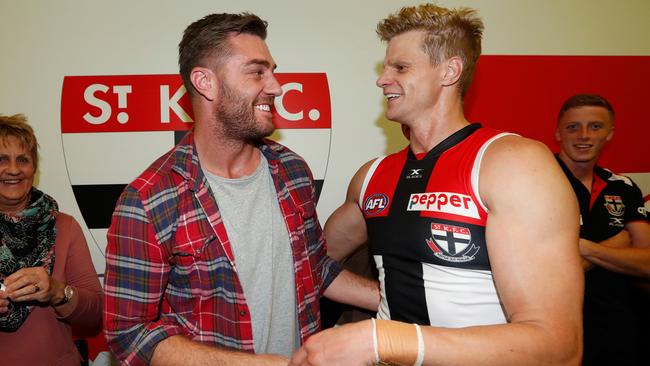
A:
[(237, 117)]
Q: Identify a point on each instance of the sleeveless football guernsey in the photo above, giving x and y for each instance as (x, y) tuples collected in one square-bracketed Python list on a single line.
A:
[(426, 232)]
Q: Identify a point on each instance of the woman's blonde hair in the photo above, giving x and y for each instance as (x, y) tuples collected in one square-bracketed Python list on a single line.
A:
[(17, 126)]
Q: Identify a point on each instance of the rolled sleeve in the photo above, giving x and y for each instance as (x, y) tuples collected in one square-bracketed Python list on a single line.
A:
[(329, 270)]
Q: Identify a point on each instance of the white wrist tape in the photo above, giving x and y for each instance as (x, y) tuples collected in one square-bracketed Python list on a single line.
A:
[(420, 359), (374, 340)]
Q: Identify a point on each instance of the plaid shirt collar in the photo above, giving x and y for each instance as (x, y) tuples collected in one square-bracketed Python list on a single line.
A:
[(186, 159)]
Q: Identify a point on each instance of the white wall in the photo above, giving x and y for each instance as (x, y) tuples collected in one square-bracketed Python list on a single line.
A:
[(42, 41)]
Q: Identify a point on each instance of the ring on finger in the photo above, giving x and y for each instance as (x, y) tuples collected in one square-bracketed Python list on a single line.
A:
[(36, 288)]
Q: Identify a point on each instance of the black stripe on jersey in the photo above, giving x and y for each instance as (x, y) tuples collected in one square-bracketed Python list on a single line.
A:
[(406, 299)]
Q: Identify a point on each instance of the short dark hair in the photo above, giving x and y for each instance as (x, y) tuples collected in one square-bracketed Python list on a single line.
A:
[(205, 42), (586, 100)]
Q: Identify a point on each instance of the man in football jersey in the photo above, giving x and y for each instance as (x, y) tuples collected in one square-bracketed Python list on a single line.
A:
[(614, 232), (474, 232)]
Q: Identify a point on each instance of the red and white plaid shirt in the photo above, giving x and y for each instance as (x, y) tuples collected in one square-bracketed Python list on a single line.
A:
[(170, 267)]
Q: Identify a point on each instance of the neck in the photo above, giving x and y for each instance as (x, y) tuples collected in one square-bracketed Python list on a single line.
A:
[(446, 118), (224, 157), (583, 171), (13, 209)]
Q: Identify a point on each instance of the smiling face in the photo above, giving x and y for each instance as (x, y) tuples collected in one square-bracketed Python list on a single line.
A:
[(247, 89), (410, 82), (582, 133), (16, 175)]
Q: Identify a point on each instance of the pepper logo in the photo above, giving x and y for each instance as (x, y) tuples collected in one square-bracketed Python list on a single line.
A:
[(113, 127), (448, 202)]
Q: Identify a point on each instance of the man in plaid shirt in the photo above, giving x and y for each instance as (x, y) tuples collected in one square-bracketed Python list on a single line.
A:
[(215, 254)]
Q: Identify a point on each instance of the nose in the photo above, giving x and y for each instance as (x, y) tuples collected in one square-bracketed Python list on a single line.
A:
[(273, 87), (12, 168), (383, 79), (583, 133)]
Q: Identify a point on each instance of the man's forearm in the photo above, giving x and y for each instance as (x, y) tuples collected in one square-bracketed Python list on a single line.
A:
[(532, 342), (352, 289), (178, 350), (629, 261)]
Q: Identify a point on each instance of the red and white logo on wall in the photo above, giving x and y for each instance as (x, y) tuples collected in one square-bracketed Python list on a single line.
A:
[(113, 127)]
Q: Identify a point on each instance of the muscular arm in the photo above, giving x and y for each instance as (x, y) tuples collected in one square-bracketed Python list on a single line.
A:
[(532, 235), (633, 260), (345, 230)]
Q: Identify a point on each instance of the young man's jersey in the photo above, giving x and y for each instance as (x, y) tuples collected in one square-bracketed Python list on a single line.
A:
[(609, 308), (426, 231), (614, 200)]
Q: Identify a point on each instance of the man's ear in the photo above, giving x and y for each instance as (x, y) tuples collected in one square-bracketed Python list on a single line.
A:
[(205, 82), (610, 135), (453, 70)]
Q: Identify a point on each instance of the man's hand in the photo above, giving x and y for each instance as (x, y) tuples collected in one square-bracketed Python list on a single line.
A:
[(347, 345)]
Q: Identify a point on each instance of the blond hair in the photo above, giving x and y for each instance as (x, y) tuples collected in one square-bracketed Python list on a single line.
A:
[(448, 33), (17, 126)]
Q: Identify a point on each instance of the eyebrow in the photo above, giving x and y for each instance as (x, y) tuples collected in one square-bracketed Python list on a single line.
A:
[(257, 61)]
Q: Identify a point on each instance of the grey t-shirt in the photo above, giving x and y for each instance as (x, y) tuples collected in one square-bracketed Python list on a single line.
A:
[(260, 242)]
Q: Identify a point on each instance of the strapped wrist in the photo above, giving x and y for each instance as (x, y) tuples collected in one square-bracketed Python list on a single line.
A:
[(398, 343)]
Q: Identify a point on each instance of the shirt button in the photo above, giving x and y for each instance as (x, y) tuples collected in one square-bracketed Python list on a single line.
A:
[(197, 251), (242, 313)]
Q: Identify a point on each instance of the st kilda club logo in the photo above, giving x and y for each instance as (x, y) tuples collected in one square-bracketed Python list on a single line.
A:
[(452, 243), (109, 123)]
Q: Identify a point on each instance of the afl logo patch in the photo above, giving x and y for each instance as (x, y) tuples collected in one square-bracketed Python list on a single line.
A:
[(375, 204)]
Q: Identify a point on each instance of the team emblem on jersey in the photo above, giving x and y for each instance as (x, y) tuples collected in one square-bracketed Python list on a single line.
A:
[(614, 205), (452, 243), (375, 204)]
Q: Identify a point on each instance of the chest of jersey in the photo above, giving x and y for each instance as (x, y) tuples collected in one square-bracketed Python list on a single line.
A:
[(426, 210), (610, 205)]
